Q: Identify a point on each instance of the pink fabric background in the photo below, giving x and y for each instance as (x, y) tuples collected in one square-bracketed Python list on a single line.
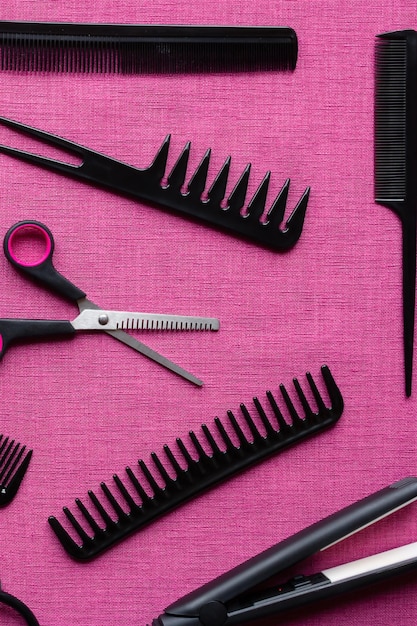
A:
[(90, 407)]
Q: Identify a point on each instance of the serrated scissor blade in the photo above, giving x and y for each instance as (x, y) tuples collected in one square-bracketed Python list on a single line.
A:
[(87, 305), (125, 320)]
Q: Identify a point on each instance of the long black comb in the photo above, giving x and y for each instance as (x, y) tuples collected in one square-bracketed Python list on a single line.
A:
[(143, 49), (396, 159), (128, 515), (14, 461), (172, 192)]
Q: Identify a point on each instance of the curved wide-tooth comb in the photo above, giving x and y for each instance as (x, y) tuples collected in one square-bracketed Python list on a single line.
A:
[(14, 461), (153, 184), (202, 469)]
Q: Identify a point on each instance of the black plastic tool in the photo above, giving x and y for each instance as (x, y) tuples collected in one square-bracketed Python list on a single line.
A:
[(141, 48), (396, 159), (236, 597), (197, 474), (151, 185), (20, 607), (14, 461)]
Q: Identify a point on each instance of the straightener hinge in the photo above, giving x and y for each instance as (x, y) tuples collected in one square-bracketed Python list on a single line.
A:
[(213, 614)]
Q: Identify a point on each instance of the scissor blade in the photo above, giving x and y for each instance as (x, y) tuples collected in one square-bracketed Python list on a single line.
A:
[(125, 320), (130, 341)]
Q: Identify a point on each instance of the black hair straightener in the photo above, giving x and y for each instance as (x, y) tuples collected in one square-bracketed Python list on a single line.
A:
[(231, 599)]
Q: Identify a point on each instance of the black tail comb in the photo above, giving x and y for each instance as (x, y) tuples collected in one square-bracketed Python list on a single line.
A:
[(144, 49), (127, 515), (396, 159), (14, 461), (152, 185)]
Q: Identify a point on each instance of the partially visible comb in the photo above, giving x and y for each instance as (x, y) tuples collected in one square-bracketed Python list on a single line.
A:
[(14, 461), (134, 49), (396, 158), (121, 514)]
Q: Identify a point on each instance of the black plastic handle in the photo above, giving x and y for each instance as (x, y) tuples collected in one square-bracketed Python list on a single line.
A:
[(19, 607), (42, 270), (12, 330), (287, 553)]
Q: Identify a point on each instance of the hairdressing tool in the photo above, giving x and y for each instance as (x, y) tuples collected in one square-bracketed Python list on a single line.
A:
[(198, 474), (231, 599), (20, 608), (147, 185), (91, 317), (135, 49), (14, 461), (396, 159)]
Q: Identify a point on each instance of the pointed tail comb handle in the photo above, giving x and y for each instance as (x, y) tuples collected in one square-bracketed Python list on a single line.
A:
[(14, 461), (122, 510), (233, 213)]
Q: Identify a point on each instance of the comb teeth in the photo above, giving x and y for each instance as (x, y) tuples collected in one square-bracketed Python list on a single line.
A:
[(134, 49), (186, 197), (226, 212), (395, 106), (116, 515), (13, 465)]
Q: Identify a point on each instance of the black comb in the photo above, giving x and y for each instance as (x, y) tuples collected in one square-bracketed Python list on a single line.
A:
[(396, 158), (172, 192), (135, 49), (128, 515), (14, 461)]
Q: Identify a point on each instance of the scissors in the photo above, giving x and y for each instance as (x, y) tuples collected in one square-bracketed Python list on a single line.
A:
[(91, 316)]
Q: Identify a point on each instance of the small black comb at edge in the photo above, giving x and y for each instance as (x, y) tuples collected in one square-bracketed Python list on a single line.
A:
[(144, 49), (199, 474), (14, 461)]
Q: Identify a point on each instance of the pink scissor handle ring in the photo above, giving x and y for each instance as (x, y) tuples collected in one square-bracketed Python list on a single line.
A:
[(41, 269), (20, 231)]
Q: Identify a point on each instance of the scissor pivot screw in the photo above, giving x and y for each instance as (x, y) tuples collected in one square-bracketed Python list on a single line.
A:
[(103, 319)]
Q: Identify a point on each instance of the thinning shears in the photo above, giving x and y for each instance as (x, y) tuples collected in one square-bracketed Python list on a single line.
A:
[(91, 316)]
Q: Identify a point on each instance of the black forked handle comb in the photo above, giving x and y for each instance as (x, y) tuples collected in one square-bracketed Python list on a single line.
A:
[(14, 461), (198, 474), (147, 184)]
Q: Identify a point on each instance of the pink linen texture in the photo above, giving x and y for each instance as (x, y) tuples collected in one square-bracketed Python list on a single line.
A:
[(90, 407)]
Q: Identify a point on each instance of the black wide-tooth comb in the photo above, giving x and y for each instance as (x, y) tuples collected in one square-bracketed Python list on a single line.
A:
[(188, 199), (396, 159), (121, 514), (14, 461), (144, 49)]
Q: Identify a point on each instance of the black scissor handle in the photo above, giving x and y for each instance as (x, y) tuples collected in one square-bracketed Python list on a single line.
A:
[(42, 269), (19, 607)]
